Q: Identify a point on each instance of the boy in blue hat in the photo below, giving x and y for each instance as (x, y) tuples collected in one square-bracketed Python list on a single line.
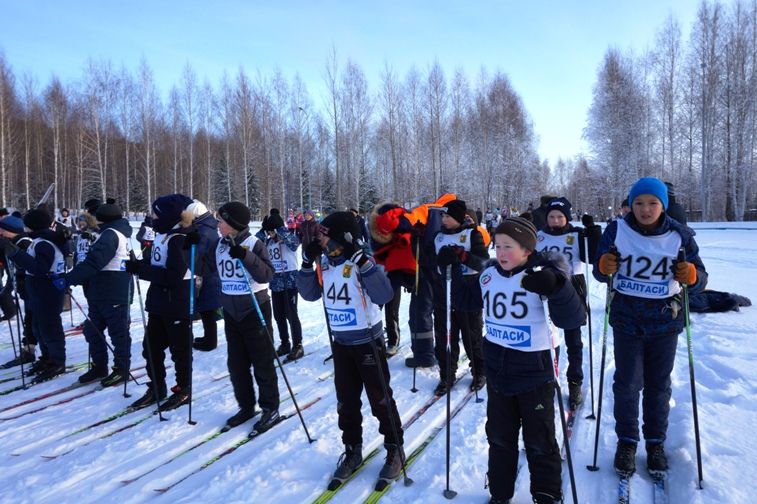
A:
[(646, 315)]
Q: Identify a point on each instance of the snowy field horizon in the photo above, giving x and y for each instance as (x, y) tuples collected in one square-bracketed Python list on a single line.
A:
[(51, 451)]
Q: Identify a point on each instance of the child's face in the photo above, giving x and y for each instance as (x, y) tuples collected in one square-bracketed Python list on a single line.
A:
[(556, 219), (82, 224), (225, 229), (647, 209), (510, 253), (448, 222)]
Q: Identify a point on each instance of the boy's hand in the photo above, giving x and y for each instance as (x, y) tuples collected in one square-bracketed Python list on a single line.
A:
[(311, 253), (544, 282), (685, 273), (237, 252), (608, 263)]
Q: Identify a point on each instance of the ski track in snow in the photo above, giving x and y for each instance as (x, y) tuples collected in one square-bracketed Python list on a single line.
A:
[(281, 466)]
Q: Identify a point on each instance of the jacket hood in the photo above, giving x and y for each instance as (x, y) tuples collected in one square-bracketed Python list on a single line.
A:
[(121, 225)]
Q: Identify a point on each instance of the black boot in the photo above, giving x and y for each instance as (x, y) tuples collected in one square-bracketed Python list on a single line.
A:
[(393, 466), (296, 353), (241, 417), (37, 367), (657, 461), (179, 397), (204, 344), (268, 419), (478, 383), (283, 349), (25, 357), (441, 388), (349, 462), (96, 373), (625, 458), (50, 372), (149, 398), (543, 498), (117, 377), (575, 398)]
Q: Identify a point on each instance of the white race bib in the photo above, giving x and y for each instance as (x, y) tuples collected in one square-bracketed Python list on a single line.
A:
[(343, 301), (566, 244), (233, 278), (645, 268), (515, 318)]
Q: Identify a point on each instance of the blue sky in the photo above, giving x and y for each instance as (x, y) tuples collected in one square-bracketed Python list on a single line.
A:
[(550, 49)]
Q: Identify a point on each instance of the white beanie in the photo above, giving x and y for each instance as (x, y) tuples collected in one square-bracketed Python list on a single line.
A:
[(197, 208)]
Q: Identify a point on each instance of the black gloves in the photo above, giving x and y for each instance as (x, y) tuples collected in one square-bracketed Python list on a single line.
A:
[(311, 253), (355, 253), (544, 282), (450, 255), (191, 238), (86, 235), (238, 252), (132, 266)]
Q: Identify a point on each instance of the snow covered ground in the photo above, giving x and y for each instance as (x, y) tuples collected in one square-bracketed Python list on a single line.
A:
[(44, 459)]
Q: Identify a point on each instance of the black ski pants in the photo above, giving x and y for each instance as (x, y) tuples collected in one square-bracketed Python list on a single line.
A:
[(173, 334), (249, 344), (355, 368), (535, 412), (285, 312), (392, 317), (116, 319)]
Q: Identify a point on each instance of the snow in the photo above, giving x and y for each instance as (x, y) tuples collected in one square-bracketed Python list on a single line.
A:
[(42, 461)]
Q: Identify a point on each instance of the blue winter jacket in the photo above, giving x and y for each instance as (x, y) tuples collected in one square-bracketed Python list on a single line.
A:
[(641, 316), (210, 290), (112, 287)]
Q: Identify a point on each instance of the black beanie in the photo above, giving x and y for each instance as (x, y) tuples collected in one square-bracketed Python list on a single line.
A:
[(520, 230), (339, 225), (108, 212), (273, 222), (562, 205), (168, 210), (456, 210), (274, 211), (37, 219), (236, 215), (91, 205)]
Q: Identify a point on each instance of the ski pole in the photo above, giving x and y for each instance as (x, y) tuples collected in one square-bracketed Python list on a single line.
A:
[(99, 333), (385, 388), (146, 342), (264, 327), (192, 253), (561, 407), (13, 341), (682, 258), (474, 369), (448, 493), (326, 315), (415, 293), (591, 415), (19, 319), (608, 300)]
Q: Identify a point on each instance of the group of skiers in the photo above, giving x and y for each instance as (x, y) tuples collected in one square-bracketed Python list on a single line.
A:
[(506, 310)]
